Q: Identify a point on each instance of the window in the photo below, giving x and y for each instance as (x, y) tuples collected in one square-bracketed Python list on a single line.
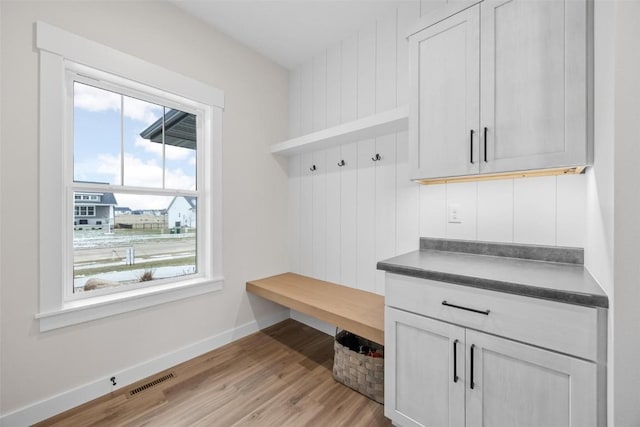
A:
[(147, 147), (135, 139), (85, 211), (88, 197)]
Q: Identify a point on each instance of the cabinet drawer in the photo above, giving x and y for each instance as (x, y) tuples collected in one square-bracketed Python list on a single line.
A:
[(566, 328)]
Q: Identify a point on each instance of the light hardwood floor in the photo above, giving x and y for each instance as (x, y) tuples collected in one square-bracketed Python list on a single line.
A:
[(280, 376)]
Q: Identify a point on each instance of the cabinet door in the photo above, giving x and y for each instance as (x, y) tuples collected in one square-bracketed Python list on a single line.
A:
[(420, 389), (445, 84), (534, 84), (519, 385)]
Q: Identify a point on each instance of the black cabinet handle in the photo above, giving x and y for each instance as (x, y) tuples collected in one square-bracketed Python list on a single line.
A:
[(377, 157), (455, 361), (485, 312), (471, 146), (472, 384), (485, 144)]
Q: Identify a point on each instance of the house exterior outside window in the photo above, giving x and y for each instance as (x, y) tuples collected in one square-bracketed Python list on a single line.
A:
[(94, 210)]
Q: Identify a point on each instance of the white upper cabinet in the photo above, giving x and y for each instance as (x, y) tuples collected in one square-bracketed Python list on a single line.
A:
[(534, 84), (444, 109), (501, 86)]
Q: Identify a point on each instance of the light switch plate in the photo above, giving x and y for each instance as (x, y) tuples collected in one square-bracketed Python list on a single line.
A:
[(453, 214)]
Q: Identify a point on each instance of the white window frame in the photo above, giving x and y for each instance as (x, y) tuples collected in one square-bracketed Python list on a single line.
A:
[(62, 53)]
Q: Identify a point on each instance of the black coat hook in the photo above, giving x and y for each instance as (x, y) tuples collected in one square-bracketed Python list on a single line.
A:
[(341, 163), (312, 168), (376, 157)]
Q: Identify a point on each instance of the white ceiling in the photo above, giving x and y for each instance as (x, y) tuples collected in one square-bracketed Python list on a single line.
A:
[(289, 31)]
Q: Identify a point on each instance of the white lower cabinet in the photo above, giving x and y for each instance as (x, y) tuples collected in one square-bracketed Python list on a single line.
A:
[(519, 385), (439, 374), (424, 371)]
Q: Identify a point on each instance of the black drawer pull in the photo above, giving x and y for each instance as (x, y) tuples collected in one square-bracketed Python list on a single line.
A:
[(471, 146), (455, 361), (471, 383), (485, 312), (485, 145)]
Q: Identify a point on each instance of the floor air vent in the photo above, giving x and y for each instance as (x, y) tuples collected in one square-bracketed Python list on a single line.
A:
[(150, 384)]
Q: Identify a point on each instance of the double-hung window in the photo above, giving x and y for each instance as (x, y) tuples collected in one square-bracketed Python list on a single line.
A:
[(130, 185)]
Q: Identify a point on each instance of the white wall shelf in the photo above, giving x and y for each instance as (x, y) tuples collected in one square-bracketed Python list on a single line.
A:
[(384, 123)]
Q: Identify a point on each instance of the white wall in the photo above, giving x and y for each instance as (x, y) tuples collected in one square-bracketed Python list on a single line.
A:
[(345, 219), (626, 316), (613, 232), (1, 352), (599, 238), (35, 366)]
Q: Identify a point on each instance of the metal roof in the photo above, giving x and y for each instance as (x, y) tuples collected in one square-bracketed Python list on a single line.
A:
[(180, 130)]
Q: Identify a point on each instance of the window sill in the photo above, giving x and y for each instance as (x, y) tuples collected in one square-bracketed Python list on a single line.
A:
[(99, 307)]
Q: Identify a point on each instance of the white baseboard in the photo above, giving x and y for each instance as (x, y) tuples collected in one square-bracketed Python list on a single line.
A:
[(314, 323), (70, 399)]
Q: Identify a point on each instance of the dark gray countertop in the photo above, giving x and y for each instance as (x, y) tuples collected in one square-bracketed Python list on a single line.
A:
[(567, 282)]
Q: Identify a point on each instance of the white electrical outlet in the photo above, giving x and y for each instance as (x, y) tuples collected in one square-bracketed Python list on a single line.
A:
[(453, 214)]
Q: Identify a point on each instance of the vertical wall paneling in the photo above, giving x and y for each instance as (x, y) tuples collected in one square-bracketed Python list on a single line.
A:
[(319, 235), (367, 71), (333, 228), (465, 196), (407, 200), (306, 98), (334, 65), (306, 215), (349, 80), (386, 34), (385, 204), (433, 200), (407, 15), (495, 211), (348, 216), (319, 92), (366, 216), (428, 6), (294, 102), (571, 210), (534, 210), (385, 169), (294, 213)]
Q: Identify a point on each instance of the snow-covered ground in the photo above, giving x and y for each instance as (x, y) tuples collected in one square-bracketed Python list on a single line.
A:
[(134, 275), (98, 249)]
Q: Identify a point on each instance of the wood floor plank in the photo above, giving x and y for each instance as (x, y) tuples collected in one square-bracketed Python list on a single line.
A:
[(280, 377)]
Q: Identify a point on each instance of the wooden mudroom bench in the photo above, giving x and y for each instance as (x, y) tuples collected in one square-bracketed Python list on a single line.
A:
[(357, 311)]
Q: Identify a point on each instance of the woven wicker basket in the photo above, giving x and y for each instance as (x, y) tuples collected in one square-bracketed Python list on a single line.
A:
[(363, 373)]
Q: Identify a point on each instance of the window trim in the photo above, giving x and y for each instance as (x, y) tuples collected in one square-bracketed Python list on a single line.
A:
[(60, 51)]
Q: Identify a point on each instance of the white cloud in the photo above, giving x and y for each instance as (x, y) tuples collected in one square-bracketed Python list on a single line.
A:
[(93, 99), (137, 202), (144, 173), (141, 110), (171, 151), (96, 100)]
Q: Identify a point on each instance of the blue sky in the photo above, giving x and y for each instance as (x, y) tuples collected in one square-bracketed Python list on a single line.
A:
[(97, 146)]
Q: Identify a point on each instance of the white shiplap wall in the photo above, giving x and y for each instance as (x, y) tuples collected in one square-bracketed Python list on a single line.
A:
[(345, 219)]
